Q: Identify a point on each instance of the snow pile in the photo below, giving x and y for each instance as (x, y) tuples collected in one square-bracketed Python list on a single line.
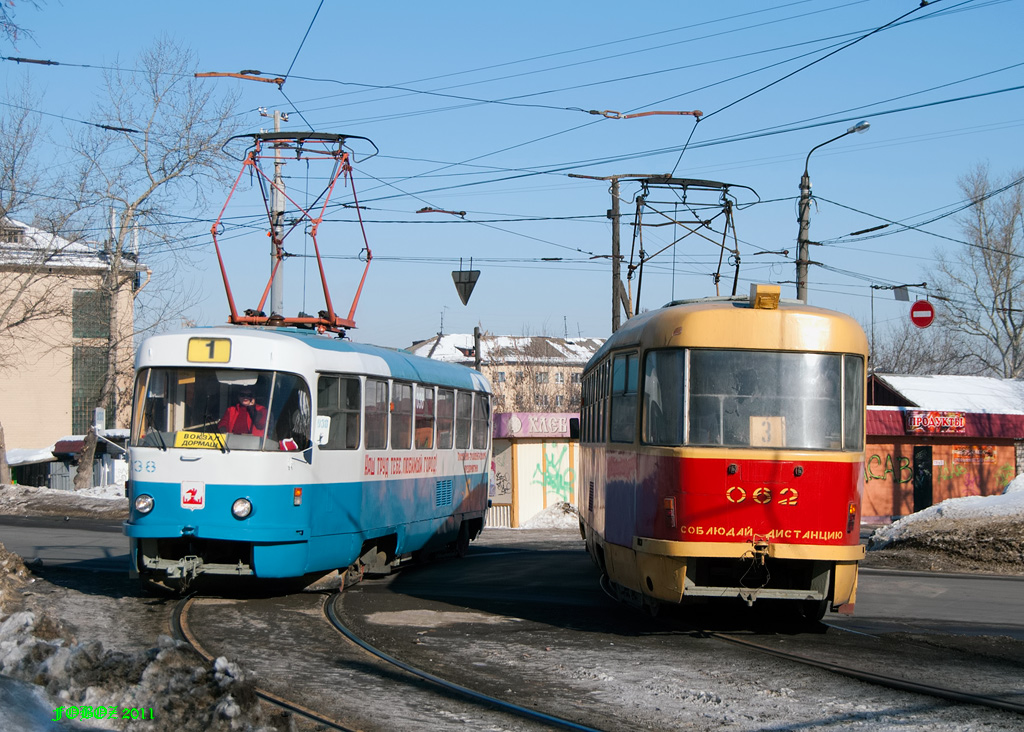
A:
[(107, 492), (1008, 506), (1016, 485), (561, 515), (971, 534), (173, 680), (98, 502)]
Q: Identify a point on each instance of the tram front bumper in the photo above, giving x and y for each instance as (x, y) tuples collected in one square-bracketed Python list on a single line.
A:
[(668, 570)]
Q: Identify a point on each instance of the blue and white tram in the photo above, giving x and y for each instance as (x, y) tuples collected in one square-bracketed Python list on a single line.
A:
[(354, 455)]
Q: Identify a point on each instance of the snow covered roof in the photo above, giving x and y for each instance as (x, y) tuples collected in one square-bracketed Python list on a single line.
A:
[(26, 246), (67, 444), (458, 348), (981, 394)]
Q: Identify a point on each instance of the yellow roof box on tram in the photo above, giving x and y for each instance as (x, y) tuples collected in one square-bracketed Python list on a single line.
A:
[(765, 297)]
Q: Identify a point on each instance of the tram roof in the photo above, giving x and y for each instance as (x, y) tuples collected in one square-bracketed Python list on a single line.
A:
[(397, 364), (710, 322)]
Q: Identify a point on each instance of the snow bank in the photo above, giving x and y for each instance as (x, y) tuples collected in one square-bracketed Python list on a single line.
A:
[(1016, 485), (561, 515), (1009, 505), (184, 691)]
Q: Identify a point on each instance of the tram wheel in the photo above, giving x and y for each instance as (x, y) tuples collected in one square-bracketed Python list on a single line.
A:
[(462, 542), (811, 611)]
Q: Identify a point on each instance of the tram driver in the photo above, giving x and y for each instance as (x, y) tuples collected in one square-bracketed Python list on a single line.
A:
[(246, 417)]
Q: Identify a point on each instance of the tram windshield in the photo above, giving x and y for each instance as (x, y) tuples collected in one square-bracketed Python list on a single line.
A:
[(221, 409), (810, 401)]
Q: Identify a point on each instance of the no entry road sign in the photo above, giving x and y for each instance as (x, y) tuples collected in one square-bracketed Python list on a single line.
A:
[(922, 313)]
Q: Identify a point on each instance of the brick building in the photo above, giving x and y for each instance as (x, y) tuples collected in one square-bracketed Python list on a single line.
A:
[(930, 438)]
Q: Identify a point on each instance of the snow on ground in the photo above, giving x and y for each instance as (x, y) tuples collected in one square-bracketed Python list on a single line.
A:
[(184, 691), (108, 502), (1006, 507), (561, 515)]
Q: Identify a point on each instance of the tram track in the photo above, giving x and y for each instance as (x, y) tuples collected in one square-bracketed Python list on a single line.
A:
[(181, 630), (609, 670), (877, 679), (888, 681)]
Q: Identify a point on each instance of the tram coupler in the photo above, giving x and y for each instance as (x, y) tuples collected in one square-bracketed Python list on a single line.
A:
[(760, 550)]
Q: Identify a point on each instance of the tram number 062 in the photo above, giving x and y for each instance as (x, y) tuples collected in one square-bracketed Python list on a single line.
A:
[(786, 496)]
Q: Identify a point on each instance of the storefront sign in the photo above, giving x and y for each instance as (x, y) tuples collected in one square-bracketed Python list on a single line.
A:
[(529, 424), (974, 455), (936, 422)]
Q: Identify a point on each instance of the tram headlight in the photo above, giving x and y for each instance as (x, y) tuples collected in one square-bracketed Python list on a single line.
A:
[(143, 503), (241, 508)]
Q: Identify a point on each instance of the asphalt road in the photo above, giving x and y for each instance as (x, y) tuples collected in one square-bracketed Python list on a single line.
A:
[(72, 543), (977, 604)]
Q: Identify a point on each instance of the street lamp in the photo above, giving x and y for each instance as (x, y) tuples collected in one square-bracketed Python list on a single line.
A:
[(802, 239)]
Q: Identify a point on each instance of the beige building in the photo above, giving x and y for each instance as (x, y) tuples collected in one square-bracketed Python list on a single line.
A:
[(527, 373), (54, 324)]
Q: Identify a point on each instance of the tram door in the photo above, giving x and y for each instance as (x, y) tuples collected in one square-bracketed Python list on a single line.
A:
[(922, 477)]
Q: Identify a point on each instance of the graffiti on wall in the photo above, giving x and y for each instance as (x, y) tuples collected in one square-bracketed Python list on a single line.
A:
[(555, 475), (502, 487), (899, 470), (878, 468)]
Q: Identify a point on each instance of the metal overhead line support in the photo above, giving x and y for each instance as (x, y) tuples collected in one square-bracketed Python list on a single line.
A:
[(267, 149), (621, 298)]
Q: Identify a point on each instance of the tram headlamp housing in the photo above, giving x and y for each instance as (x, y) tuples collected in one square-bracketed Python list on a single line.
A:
[(241, 508), (143, 503)]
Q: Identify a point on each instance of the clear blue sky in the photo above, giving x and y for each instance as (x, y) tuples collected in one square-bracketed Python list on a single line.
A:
[(507, 164)]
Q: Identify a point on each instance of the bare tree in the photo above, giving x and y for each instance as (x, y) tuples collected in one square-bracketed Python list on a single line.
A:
[(9, 28), (27, 254), (162, 140), (903, 348), (980, 285)]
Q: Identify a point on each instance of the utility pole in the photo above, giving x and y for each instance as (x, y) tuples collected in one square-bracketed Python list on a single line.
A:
[(613, 214), (277, 201), (477, 360), (803, 236)]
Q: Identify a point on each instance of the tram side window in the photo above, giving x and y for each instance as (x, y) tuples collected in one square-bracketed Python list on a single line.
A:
[(603, 401), (337, 410), (424, 417), (624, 377), (445, 418), (290, 414), (463, 419), (663, 397), (481, 418), (853, 403), (401, 416), (585, 411), (376, 419)]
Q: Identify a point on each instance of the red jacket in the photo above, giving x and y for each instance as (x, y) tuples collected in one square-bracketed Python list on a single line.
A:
[(236, 421)]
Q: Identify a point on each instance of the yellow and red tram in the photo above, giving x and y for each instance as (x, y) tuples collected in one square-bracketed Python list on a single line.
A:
[(722, 450)]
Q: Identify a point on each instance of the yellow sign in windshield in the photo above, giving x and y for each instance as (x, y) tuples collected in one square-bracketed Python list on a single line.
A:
[(201, 440)]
